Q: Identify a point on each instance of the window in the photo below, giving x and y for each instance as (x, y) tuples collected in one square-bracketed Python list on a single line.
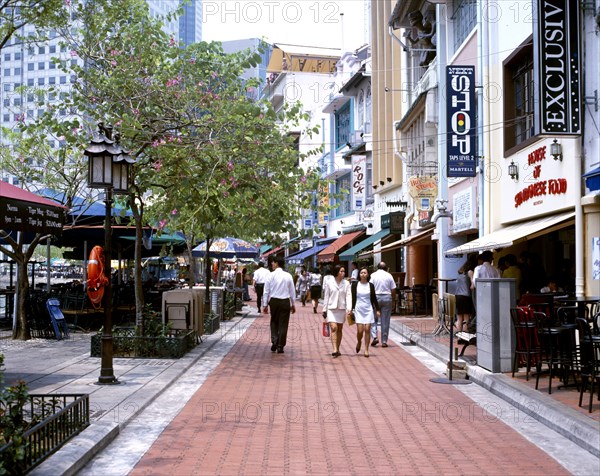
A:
[(30, 97), (30, 82), (52, 49), (51, 65), (42, 50), (6, 117), (6, 56), (41, 65), (63, 80), (6, 102), (30, 66), (361, 109), (41, 81), (17, 71), (52, 80), (17, 101), (29, 114), (7, 87), (343, 125), (6, 71), (519, 97), (368, 106), (17, 56), (465, 18), (342, 203), (73, 62), (52, 97)]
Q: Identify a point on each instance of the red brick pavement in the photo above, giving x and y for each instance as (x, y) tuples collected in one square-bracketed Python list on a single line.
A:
[(304, 412)]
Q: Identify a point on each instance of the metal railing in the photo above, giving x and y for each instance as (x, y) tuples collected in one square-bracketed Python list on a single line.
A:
[(56, 419)]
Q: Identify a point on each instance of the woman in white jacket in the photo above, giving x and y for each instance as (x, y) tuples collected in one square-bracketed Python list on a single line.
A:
[(335, 306)]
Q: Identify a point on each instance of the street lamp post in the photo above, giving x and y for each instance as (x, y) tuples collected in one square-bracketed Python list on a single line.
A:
[(108, 169)]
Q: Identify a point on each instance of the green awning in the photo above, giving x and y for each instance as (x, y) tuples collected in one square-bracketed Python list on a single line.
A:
[(350, 253)]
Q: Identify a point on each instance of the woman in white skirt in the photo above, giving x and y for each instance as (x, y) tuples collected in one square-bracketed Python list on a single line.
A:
[(363, 301), (335, 307)]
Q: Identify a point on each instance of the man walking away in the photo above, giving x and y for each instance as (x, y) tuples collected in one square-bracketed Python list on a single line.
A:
[(259, 277), (385, 290), (280, 296)]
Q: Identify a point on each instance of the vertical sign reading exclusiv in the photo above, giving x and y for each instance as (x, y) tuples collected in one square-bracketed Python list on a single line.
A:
[(557, 67), (460, 110), (359, 182)]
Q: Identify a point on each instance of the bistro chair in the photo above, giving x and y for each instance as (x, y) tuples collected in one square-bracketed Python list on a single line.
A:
[(550, 350), (527, 347), (589, 346), (566, 317)]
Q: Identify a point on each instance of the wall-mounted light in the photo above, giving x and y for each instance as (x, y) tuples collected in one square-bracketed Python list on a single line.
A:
[(513, 171), (556, 150), (375, 187), (339, 233), (349, 145), (342, 222), (389, 179), (382, 183)]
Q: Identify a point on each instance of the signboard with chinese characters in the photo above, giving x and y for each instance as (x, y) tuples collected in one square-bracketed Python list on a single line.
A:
[(359, 182), (461, 124), (33, 217), (397, 222), (556, 56)]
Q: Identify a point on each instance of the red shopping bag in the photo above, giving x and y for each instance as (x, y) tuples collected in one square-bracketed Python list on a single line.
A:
[(326, 330)]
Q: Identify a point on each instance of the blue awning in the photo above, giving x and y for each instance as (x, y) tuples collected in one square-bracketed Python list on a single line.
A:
[(299, 257), (350, 253)]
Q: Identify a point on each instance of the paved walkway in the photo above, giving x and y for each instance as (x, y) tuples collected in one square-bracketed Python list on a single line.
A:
[(304, 412)]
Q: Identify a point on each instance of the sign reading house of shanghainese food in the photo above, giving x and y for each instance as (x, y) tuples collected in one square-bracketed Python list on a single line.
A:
[(461, 125), (33, 217), (557, 66)]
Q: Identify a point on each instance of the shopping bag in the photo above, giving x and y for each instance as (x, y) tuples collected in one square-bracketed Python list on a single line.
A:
[(351, 320), (326, 330)]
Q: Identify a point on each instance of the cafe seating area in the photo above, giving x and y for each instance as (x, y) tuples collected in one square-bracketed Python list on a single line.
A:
[(559, 337)]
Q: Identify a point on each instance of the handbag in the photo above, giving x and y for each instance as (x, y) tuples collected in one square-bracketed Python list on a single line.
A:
[(351, 319), (326, 330)]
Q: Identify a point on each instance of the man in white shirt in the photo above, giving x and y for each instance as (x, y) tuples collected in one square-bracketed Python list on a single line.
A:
[(485, 269), (259, 277), (354, 272), (280, 296), (385, 289)]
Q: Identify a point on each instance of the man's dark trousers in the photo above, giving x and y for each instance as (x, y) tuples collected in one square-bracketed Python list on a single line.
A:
[(260, 290), (280, 318)]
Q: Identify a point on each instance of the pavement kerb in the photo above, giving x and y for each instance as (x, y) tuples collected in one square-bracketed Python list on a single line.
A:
[(75, 454), (564, 420)]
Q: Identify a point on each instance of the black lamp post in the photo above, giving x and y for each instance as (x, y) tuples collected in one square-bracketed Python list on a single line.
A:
[(108, 169)]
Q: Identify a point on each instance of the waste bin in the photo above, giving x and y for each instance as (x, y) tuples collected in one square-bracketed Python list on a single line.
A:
[(495, 333)]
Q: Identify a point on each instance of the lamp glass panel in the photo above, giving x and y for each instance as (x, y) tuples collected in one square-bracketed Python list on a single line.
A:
[(100, 171), (120, 175), (555, 149)]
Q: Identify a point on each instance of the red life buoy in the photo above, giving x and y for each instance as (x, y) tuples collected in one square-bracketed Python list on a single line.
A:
[(96, 277)]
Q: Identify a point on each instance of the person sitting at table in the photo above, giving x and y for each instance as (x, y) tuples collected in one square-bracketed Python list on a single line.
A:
[(551, 287)]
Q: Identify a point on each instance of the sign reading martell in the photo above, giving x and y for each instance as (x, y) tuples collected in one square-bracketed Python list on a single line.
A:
[(33, 217), (557, 66), (461, 125)]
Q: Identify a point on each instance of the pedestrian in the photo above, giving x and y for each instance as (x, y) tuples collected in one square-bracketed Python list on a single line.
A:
[(364, 304), (259, 277), (464, 303), (302, 285), (513, 271), (245, 294), (335, 306), (485, 269), (315, 287), (354, 272), (385, 289), (280, 297)]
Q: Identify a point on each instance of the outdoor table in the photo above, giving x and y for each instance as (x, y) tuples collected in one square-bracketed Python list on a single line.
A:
[(582, 303)]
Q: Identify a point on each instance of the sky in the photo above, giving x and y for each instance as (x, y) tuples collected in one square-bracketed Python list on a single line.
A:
[(297, 22)]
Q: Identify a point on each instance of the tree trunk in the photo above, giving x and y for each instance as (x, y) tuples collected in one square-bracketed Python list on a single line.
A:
[(207, 272), (22, 331), (137, 269)]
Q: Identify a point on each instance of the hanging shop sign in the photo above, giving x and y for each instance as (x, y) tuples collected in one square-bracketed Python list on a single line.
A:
[(359, 182), (556, 47), (422, 187), (397, 222), (461, 125)]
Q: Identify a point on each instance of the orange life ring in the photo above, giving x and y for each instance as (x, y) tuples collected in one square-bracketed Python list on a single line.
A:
[(96, 277)]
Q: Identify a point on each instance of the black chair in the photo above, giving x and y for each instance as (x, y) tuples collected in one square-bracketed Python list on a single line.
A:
[(590, 363), (566, 317), (527, 346), (550, 350)]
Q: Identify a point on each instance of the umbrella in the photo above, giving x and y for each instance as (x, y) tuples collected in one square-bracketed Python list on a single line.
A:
[(227, 248)]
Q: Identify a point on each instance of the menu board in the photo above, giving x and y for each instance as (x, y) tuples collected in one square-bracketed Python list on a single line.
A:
[(33, 217)]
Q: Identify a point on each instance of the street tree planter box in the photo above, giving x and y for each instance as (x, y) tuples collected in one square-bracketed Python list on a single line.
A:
[(49, 421), (211, 324), (126, 343)]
